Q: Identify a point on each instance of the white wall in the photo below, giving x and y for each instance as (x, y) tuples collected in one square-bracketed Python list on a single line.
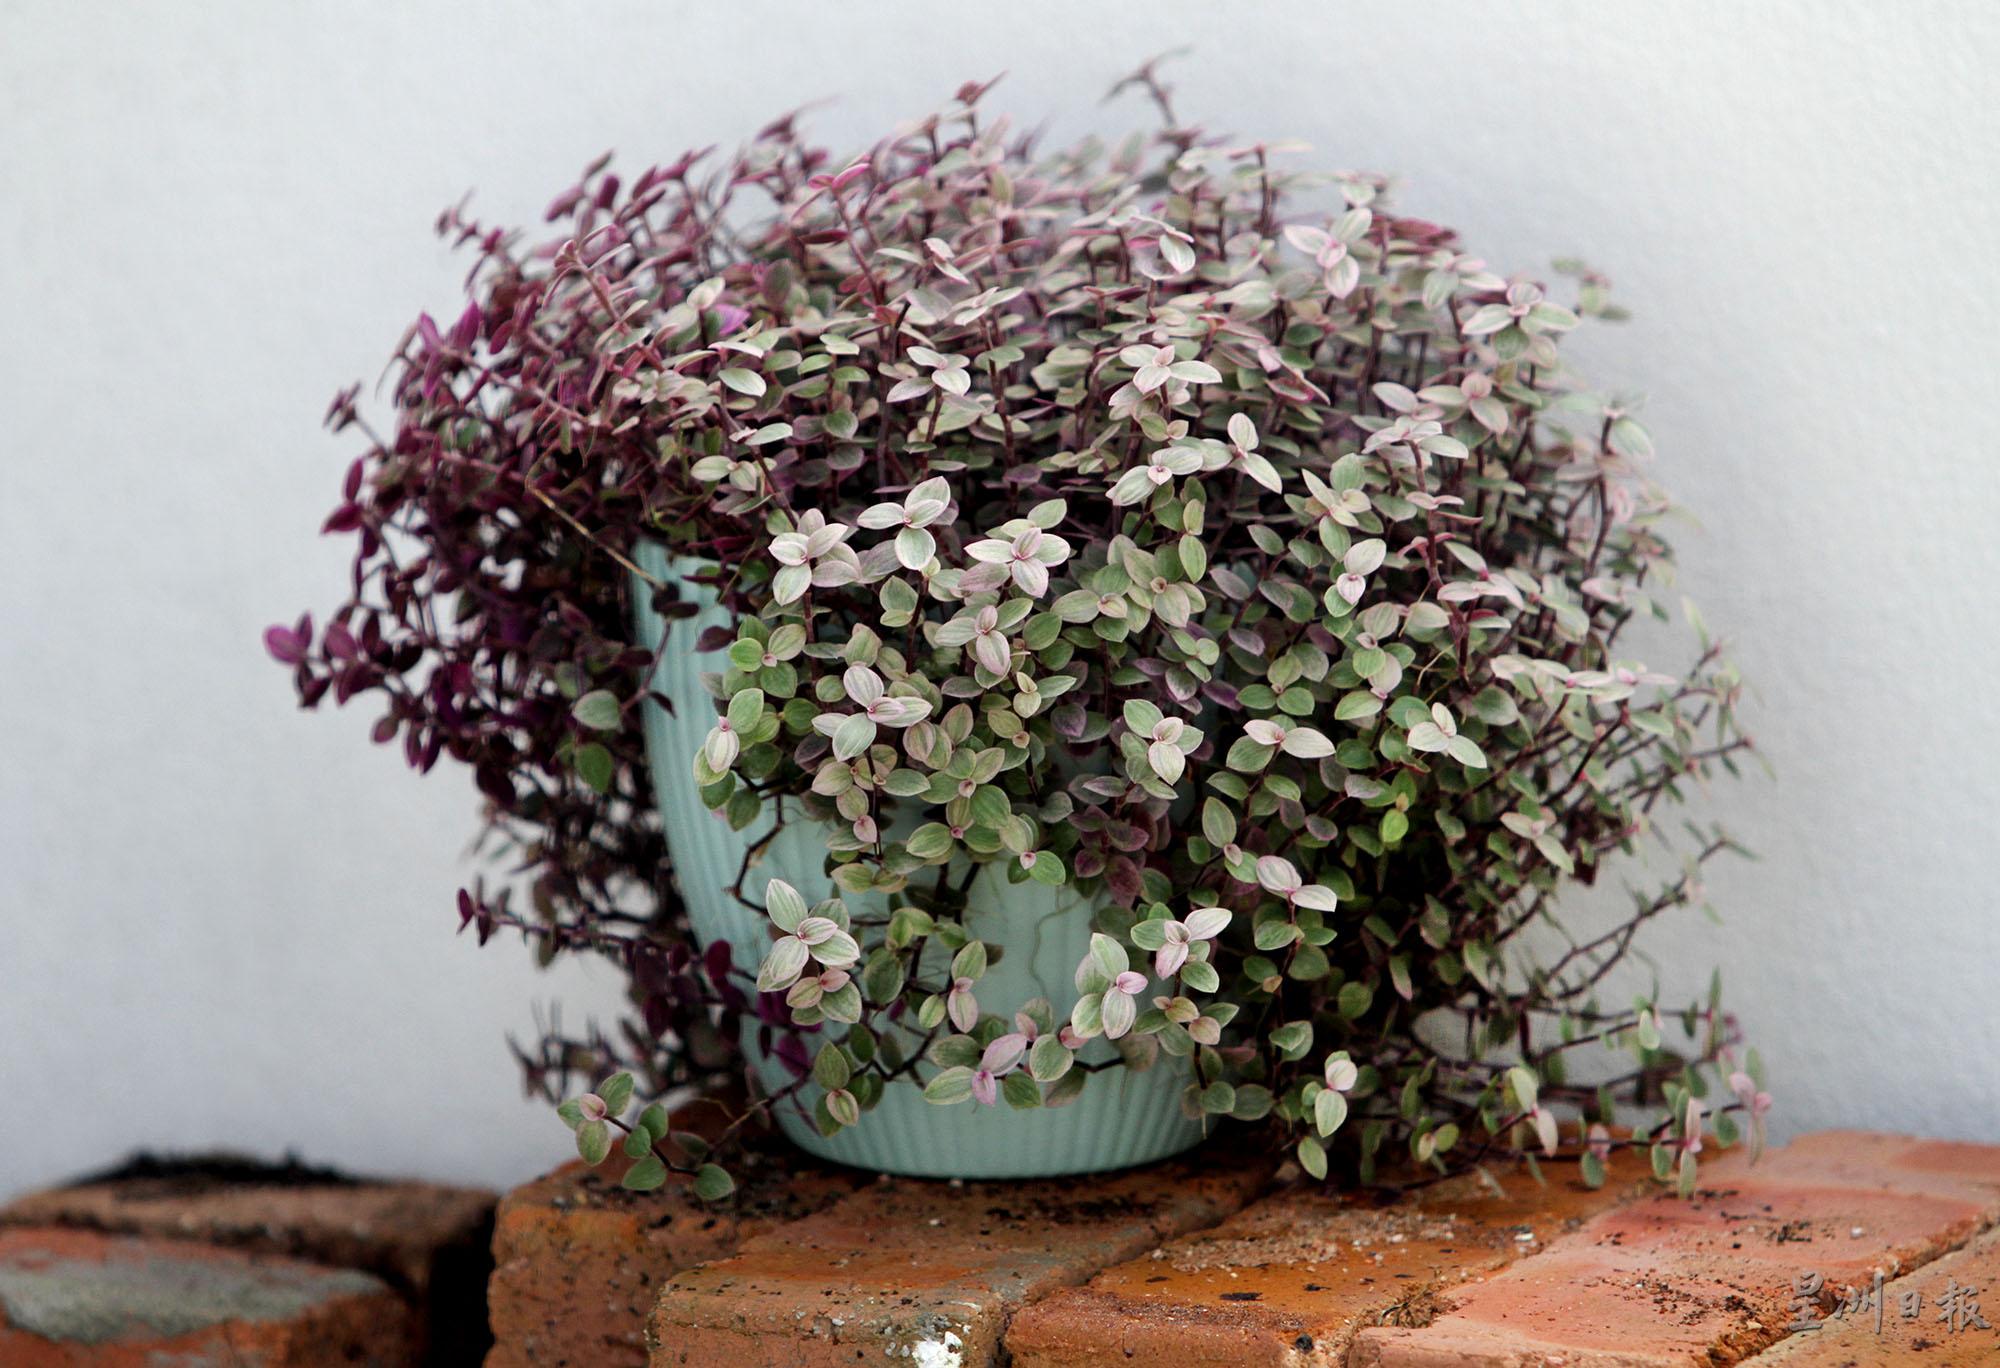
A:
[(224, 921)]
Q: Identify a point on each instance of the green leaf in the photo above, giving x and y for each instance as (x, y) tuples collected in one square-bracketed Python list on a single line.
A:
[(594, 766), (1049, 1059), (645, 1175), (712, 1184), (1274, 934), (1525, 1087), (970, 961), (1019, 1091), (1329, 1110), (1466, 751), (1357, 706), (742, 381), (949, 1086), (593, 1141), (745, 708), (1253, 1102), (597, 710), (1218, 823), (1355, 999), (882, 976), (1293, 1038), (990, 806), (1141, 716), (616, 1092), (1312, 1157), (854, 735), (1591, 1169), (1194, 559), (1047, 868), (638, 1144), (654, 1121), (1248, 757), (931, 841), (830, 1068), (571, 1113)]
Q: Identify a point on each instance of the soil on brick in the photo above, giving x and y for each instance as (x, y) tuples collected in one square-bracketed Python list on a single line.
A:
[(147, 1175)]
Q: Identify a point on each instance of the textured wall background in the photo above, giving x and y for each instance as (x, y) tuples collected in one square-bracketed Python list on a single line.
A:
[(223, 921)]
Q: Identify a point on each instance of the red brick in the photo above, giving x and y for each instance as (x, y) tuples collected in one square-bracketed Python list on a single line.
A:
[(1708, 1280), (578, 1259), (1925, 1341), (1289, 1280), (1901, 1163), (429, 1243), (928, 1273), (76, 1297)]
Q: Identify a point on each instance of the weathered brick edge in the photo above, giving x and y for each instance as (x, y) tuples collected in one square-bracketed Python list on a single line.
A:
[(72, 1298), (1292, 1278), (429, 1244), (1665, 1282), (1166, 1265), (928, 1273), (578, 1259)]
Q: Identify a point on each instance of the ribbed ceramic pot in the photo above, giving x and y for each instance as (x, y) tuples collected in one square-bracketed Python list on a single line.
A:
[(1122, 1117)]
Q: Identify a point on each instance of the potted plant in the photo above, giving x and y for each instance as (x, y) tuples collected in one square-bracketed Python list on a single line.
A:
[(1031, 656)]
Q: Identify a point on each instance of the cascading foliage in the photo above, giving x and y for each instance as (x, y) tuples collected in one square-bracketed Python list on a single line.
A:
[(1151, 519)]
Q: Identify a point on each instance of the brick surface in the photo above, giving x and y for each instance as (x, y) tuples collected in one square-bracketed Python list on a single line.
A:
[(1707, 1281), (1289, 1280), (1918, 1327), (928, 1273), (429, 1243), (578, 1260), (76, 1297)]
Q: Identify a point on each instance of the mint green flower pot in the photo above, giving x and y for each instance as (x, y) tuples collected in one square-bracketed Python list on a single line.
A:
[(1122, 1117)]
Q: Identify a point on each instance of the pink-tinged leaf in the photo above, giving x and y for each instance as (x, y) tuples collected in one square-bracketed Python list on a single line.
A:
[(782, 965), (1316, 896), (1306, 744), (855, 734), (1426, 736), (1278, 874), (1264, 732), (1119, 1014), (1545, 1130), (915, 548), (1365, 557), (1206, 923), (1003, 1054), (1395, 397), (1312, 241), (862, 684)]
